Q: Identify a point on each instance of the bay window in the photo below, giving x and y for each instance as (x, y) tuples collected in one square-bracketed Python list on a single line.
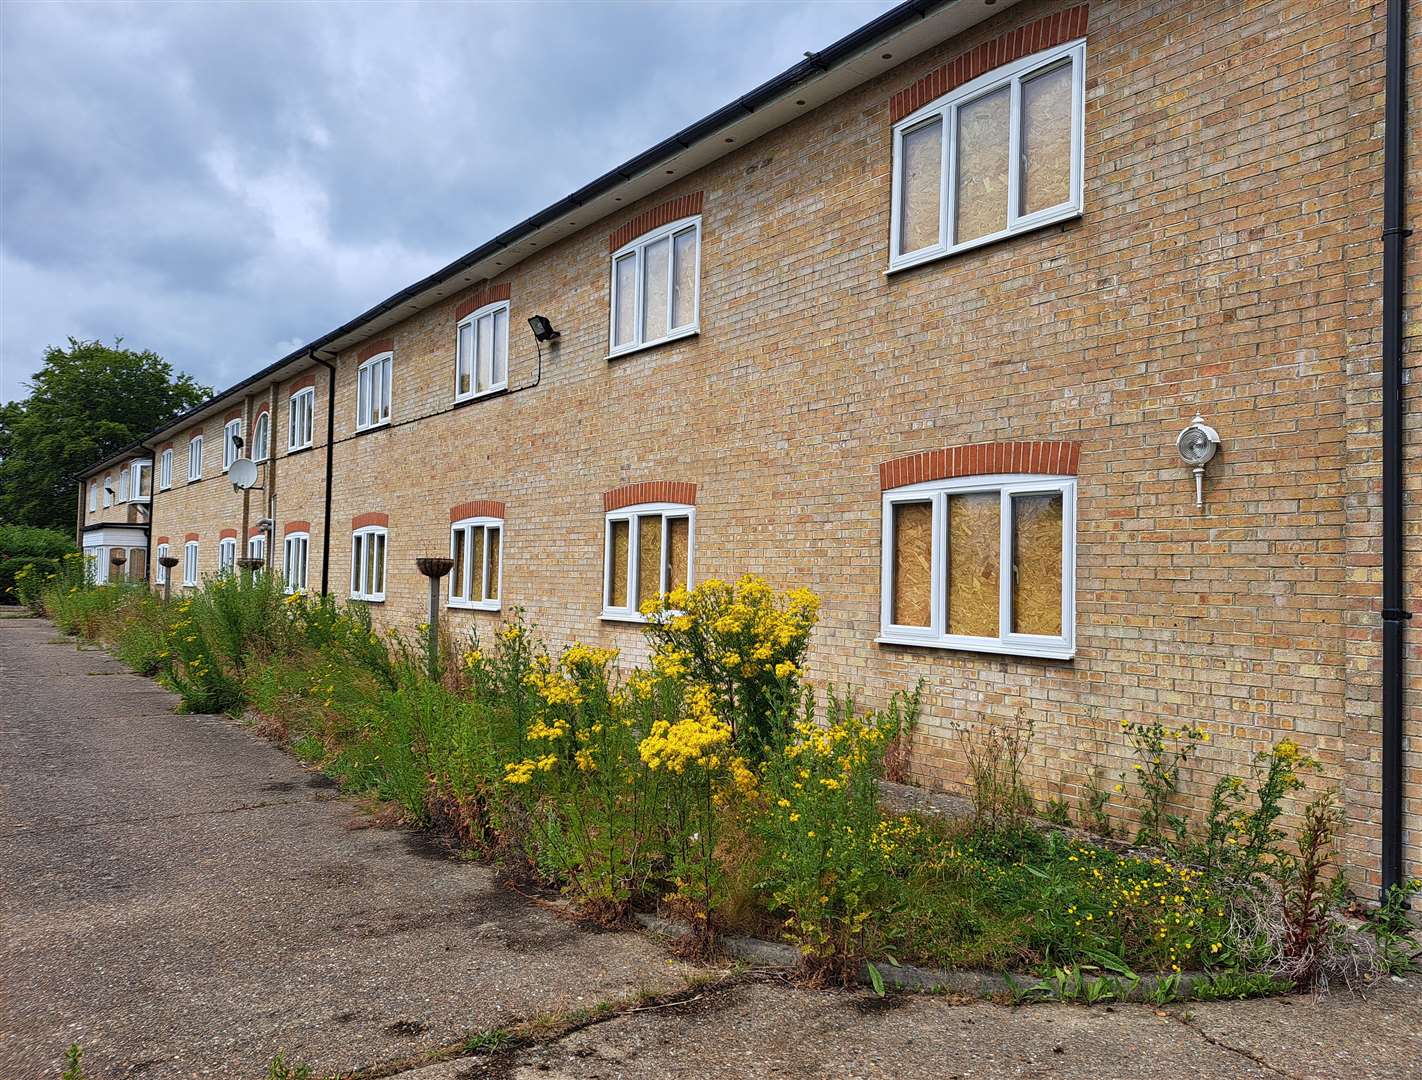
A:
[(647, 551)]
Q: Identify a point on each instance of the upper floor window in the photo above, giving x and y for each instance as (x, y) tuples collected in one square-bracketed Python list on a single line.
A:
[(93, 496), (647, 551), (981, 563), (373, 391), (996, 156), (299, 418), (262, 436), (656, 283), (482, 351), (368, 563), (190, 563), (195, 458), (476, 545), (142, 480), (123, 485), (108, 490), (231, 443), (165, 470), (295, 548), (226, 555)]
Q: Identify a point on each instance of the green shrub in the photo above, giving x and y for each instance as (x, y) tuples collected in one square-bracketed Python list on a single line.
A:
[(25, 545)]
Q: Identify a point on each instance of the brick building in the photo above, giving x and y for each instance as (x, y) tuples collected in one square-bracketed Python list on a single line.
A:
[(935, 302)]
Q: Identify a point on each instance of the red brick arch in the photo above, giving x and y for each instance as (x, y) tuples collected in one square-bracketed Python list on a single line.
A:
[(375, 348), (255, 530), (296, 526), (160, 540), (191, 537), (484, 294), (647, 220), (361, 521), (651, 491), (477, 508), (981, 459), (227, 534)]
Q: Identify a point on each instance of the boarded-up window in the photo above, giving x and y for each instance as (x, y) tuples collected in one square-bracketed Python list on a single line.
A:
[(678, 551), (974, 545), (649, 557), (459, 576), (617, 563), (982, 165), (921, 186), (476, 564), (913, 564), (1037, 564), (1046, 139), (494, 539)]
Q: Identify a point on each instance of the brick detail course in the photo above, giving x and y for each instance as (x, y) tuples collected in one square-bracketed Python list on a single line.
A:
[(296, 526), (981, 459), (227, 534), (234, 414), (191, 536), (477, 508), (650, 491), (485, 294), (361, 521), (375, 348), (301, 383), (1054, 29), (665, 214), (160, 540)]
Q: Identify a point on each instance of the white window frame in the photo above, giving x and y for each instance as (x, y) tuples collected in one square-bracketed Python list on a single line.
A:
[(160, 576), (136, 484), (359, 539), (231, 431), (301, 419), (123, 486), (190, 563), (195, 458), (165, 469), (464, 573), (93, 495), (632, 514), (108, 487), (373, 411), (257, 546), (497, 362), (227, 555), (935, 635), (638, 248), (262, 435), (945, 109), (301, 542)]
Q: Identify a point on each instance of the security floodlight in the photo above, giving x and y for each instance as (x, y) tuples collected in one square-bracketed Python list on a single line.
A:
[(110, 492), (237, 442), (543, 329), (1197, 444)]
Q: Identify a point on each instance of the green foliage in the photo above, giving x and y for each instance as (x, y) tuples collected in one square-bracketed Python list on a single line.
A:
[(87, 402), (1238, 986), (1161, 752), (73, 1063), (24, 545), (996, 754), (281, 1069)]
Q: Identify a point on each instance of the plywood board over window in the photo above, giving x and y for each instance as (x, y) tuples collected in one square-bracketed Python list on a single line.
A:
[(913, 563), (1037, 564), (649, 552), (974, 536)]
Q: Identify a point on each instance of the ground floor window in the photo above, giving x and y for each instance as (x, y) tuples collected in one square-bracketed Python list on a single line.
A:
[(294, 551), (227, 555), (160, 575), (190, 563), (257, 545), (368, 563), (647, 551), (476, 545), (981, 563)]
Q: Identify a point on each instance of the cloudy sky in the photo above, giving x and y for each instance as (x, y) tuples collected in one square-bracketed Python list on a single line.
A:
[(224, 182)]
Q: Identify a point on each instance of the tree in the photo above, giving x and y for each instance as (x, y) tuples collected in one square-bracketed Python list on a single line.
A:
[(88, 401)]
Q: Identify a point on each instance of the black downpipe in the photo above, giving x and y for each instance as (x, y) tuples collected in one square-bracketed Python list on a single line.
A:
[(1394, 614), (330, 460)]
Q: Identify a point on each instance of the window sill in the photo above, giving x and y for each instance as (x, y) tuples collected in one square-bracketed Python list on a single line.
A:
[(998, 648), (368, 599), (622, 615), (470, 399), (680, 335), (474, 605), (292, 451), (934, 254), (366, 429)]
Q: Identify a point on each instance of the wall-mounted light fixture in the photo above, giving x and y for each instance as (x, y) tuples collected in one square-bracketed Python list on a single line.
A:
[(543, 329), (1197, 445)]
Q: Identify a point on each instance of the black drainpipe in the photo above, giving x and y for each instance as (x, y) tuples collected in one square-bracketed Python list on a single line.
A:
[(330, 450), (1394, 614)]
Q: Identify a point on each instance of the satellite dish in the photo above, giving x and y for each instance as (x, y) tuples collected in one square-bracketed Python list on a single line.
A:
[(243, 473)]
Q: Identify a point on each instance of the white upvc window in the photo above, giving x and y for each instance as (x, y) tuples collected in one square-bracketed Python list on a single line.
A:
[(93, 496), (123, 486), (997, 156), (648, 550), (108, 491), (257, 546), (945, 544), (142, 485), (226, 555), (262, 436), (481, 346), (160, 572), (656, 287), (476, 545), (299, 418), (195, 458), (165, 470), (373, 391), (190, 563), (231, 432), (368, 563), (295, 549)]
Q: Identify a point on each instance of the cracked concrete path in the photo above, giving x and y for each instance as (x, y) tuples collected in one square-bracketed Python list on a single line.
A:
[(183, 899)]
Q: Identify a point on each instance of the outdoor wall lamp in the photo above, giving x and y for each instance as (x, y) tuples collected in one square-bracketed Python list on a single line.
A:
[(1197, 445), (543, 329)]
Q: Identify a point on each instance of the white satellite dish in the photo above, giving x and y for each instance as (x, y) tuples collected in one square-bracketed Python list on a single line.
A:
[(243, 473)]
